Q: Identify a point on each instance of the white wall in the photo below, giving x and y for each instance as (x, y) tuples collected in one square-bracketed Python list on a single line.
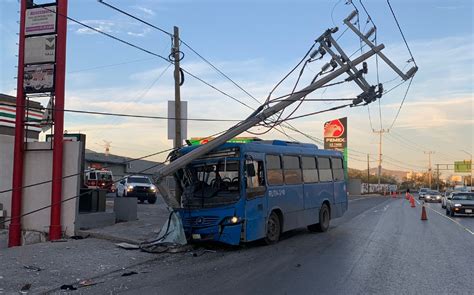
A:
[(6, 170), (38, 168)]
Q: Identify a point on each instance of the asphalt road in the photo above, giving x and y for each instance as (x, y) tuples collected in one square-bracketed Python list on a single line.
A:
[(380, 246)]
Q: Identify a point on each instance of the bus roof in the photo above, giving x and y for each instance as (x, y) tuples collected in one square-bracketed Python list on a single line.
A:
[(274, 146)]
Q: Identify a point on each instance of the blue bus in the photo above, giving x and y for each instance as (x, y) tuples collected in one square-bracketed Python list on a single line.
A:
[(243, 192)]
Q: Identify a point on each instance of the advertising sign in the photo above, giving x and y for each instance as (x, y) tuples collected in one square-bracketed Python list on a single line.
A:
[(335, 137), (462, 166), (39, 78), (40, 20), (204, 140), (40, 49), (171, 122)]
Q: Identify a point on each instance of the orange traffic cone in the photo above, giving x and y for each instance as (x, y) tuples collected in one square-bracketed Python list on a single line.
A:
[(412, 202), (423, 212)]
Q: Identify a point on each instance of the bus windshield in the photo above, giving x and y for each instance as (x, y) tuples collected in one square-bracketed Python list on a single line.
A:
[(211, 183)]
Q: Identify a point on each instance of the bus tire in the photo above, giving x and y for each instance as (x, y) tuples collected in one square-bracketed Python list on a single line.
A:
[(324, 217), (273, 229)]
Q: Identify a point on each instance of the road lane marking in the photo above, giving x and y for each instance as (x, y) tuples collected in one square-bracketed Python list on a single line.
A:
[(363, 198), (447, 217)]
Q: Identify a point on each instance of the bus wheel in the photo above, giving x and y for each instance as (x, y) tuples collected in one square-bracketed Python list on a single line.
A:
[(273, 229), (323, 224)]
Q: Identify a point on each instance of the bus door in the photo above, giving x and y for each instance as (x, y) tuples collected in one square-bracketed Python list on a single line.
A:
[(254, 192)]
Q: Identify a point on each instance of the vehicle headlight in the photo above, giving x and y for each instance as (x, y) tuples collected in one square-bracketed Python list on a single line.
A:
[(438, 197), (130, 188), (153, 189), (232, 220), (457, 205)]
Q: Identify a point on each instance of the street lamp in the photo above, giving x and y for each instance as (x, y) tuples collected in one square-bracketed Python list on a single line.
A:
[(470, 164)]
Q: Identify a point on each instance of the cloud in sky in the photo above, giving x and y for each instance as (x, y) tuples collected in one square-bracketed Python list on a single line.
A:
[(146, 11)]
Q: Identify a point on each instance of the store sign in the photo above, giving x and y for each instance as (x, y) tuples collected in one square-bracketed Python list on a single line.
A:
[(204, 140), (335, 134), (462, 167), (39, 78), (335, 138), (40, 20), (40, 49)]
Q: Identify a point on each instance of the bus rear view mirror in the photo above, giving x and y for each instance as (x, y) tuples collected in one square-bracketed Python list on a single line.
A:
[(250, 168)]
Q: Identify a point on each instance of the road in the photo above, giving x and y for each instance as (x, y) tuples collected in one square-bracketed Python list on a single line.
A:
[(380, 246)]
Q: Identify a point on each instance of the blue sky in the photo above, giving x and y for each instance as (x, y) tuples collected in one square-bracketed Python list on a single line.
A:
[(256, 43)]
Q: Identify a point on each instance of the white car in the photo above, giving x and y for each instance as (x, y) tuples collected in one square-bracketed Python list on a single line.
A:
[(137, 186)]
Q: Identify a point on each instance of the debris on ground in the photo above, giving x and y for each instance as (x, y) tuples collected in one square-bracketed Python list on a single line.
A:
[(128, 246), (32, 267), (25, 288), (131, 273), (68, 287), (200, 252)]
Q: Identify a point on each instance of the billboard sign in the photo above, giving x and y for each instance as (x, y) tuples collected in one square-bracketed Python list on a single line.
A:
[(335, 138), (335, 134), (462, 166), (171, 122), (204, 140), (40, 49), (40, 20), (39, 78)]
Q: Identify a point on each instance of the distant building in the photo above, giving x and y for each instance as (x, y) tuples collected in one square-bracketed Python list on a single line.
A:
[(119, 165), (8, 114)]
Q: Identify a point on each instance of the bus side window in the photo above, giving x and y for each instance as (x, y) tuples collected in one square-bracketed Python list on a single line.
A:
[(337, 169), (274, 170), (292, 170), (325, 172), (310, 171), (258, 179)]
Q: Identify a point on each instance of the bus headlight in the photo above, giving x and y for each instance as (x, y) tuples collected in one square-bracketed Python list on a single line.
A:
[(232, 220)]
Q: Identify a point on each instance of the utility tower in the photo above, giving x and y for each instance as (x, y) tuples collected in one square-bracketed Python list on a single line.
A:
[(380, 132), (430, 170)]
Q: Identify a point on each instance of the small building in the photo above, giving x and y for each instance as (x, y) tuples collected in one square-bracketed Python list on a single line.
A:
[(119, 165)]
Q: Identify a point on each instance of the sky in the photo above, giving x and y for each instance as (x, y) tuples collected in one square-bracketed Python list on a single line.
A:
[(256, 43)]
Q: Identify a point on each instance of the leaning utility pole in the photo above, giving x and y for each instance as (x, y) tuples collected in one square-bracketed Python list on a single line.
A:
[(380, 132), (430, 170), (178, 141), (339, 64)]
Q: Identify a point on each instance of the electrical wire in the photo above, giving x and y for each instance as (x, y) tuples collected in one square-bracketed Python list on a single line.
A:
[(401, 32), (122, 114), (401, 104)]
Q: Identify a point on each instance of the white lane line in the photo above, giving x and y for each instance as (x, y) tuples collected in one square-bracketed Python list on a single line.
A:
[(363, 198), (447, 217)]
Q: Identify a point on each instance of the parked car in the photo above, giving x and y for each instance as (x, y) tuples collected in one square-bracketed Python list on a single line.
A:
[(460, 203), (422, 192), (432, 196), (137, 186), (444, 198)]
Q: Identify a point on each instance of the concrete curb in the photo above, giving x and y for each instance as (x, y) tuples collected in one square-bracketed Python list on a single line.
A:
[(104, 236)]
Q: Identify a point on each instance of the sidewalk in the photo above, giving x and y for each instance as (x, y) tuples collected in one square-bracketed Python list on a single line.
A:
[(48, 266), (151, 218)]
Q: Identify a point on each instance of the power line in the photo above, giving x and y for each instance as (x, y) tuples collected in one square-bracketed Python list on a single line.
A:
[(401, 32), (401, 104), (124, 115)]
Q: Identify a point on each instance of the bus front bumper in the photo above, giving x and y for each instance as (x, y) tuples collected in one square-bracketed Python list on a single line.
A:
[(228, 234)]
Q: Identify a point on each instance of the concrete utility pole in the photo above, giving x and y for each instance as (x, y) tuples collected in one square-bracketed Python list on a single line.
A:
[(178, 141), (368, 173), (437, 177), (380, 132), (430, 170)]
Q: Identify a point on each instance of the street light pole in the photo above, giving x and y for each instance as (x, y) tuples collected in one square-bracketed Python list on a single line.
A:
[(471, 167)]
